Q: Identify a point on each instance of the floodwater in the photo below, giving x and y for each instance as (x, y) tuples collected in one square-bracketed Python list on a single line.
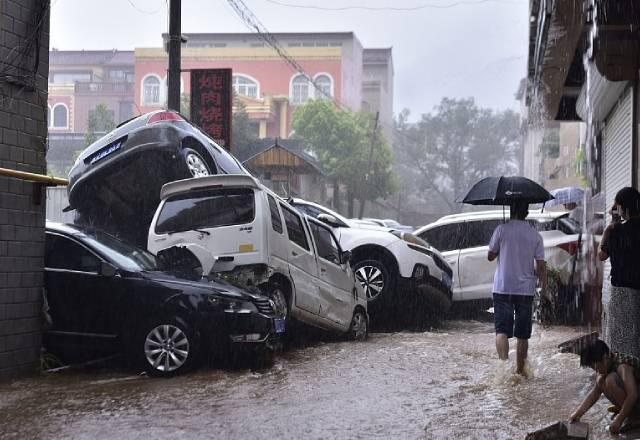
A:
[(445, 384)]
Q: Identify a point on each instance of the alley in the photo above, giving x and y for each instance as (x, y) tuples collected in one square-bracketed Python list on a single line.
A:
[(441, 384)]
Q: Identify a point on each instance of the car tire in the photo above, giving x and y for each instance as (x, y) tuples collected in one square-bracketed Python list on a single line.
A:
[(276, 293), (166, 348), (359, 328), (376, 280), (194, 164)]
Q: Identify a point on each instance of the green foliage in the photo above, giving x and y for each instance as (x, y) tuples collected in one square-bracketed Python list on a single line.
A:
[(341, 139), (100, 121), (242, 132), (444, 153)]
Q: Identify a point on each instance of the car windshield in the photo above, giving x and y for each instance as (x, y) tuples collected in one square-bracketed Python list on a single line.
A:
[(206, 208), (126, 256)]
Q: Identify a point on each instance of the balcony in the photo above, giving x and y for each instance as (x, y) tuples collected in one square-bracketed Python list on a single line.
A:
[(104, 88)]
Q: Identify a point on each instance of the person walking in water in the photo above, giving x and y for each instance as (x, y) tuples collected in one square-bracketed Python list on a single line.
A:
[(518, 248), (621, 243)]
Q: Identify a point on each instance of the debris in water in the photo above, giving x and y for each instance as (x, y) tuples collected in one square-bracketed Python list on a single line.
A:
[(561, 431)]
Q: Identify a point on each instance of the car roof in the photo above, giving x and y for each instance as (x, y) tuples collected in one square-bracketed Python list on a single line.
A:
[(496, 214), (306, 202), (226, 180)]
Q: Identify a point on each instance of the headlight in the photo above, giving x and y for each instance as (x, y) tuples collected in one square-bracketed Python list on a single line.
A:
[(410, 238), (232, 306)]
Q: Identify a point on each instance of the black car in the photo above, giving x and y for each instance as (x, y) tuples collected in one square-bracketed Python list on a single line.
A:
[(102, 292), (115, 182)]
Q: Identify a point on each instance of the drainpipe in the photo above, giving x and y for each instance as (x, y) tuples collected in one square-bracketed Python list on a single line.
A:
[(39, 180)]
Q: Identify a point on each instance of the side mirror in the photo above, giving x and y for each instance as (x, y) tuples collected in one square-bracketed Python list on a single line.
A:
[(328, 219), (107, 269), (345, 256)]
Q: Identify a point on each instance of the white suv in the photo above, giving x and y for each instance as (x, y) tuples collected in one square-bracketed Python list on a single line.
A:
[(395, 268), (240, 230), (464, 239)]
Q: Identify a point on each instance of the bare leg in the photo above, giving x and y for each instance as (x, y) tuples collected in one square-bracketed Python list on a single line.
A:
[(502, 346), (521, 355)]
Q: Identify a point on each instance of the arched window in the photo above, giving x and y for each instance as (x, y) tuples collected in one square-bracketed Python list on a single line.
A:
[(60, 116), (323, 83), (299, 90), (151, 90), (245, 86), (49, 119)]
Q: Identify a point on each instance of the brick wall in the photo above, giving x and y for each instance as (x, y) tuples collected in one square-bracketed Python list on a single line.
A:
[(24, 50)]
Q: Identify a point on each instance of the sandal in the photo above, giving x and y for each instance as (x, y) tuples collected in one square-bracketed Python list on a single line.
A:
[(630, 425)]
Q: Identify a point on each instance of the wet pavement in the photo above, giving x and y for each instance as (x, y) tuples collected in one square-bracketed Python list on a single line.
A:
[(445, 384)]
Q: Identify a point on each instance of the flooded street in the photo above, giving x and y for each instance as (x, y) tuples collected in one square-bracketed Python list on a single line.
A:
[(433, 385)]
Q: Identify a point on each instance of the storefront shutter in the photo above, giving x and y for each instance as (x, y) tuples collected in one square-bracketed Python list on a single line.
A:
[(617, 143)]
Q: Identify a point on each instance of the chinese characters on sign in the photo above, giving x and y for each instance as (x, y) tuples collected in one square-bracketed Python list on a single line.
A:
[(211, 101)]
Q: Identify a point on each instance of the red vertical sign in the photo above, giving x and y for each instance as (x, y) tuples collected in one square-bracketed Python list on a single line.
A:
[(211, 103)]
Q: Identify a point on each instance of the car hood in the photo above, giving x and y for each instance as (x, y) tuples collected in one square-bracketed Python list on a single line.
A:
[(219, 287)]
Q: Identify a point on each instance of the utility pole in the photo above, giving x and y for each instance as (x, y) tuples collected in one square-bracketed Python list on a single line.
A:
[(365, 186), (175, 41)]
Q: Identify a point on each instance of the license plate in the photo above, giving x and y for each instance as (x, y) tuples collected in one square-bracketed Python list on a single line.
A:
[(279, 325)]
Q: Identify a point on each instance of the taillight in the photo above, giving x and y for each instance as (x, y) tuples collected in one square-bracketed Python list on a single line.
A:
[(571, 247), (164, 116)]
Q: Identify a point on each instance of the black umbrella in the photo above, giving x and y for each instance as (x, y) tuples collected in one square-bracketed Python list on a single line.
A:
[(506, 190)]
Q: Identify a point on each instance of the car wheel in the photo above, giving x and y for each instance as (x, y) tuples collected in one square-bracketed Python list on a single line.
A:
[(275, 292), (374, 278), (167, 348), (359, 329), (195, 164)]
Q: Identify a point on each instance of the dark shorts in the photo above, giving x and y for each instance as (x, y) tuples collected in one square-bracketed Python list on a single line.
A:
[(513, 315)]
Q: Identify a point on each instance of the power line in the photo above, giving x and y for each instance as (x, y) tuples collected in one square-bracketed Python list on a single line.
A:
[(253, 23), (389, 8), (142, 11)]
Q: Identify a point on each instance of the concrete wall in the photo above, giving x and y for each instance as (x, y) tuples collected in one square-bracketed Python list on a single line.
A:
[(23, 131)]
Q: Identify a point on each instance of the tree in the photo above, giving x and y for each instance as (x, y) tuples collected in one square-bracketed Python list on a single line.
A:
[(457, 146), (242, 132), (100, 121), (341, 140)]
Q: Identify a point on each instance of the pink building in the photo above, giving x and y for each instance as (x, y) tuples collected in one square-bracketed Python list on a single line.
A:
[(268, 86)]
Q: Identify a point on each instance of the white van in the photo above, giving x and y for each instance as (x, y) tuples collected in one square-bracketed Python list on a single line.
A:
[(243, 232)]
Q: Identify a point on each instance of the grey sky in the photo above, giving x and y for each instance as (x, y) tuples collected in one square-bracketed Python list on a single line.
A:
[(477, 50)]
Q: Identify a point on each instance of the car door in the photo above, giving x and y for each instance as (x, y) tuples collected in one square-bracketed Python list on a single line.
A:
[(81, 301), (446, 238), (476, 271), (336, 285), (302, 262)]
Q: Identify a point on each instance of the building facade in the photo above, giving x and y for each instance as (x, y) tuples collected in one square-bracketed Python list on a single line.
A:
[(271, 90), (80, 81), (23, 119)]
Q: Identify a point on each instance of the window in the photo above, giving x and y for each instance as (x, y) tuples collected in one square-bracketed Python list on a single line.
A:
[(151, 90), (478, 233), (117, 74), (245, 86), (295, 228), (325, 242), (299, 90), (71, 77), (208, 208), (60, 116), (276, 220), (444, 238), (63, 253), (323, 82)]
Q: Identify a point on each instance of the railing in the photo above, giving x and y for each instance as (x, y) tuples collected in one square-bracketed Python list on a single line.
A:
[(104, 87)]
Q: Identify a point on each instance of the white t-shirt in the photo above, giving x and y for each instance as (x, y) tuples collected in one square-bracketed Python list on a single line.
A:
[(518, 245)]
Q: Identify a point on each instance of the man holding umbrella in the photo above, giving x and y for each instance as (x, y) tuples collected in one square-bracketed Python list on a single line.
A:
[(519, 249), (516, 245)]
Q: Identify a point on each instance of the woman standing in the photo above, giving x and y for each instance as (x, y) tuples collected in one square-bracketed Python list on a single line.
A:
[(621, 242)]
